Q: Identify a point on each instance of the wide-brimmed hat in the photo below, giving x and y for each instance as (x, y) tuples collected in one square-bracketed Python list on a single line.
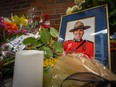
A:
[(79, 25)]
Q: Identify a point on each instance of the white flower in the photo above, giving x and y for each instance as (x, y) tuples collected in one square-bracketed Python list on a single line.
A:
[(76, 8), (79, 2), (73, 9), (69, 11)]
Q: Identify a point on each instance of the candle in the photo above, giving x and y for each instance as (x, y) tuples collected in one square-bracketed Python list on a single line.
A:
[(28, 68)]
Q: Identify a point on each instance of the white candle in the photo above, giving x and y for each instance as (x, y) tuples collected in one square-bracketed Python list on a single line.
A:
[(28, 69)]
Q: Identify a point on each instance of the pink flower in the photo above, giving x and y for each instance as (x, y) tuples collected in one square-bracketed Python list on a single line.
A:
[(2, 22)]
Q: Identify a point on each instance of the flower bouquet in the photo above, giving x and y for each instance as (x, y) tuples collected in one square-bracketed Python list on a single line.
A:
[(9, 30), (20, 33)]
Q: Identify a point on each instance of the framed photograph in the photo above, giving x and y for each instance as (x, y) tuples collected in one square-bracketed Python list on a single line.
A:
[(96, 20)]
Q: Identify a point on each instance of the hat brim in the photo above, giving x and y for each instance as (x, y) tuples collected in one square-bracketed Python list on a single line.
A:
[(81, 27)]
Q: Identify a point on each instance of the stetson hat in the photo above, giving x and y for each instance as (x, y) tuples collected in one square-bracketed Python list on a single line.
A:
[(79, 25)]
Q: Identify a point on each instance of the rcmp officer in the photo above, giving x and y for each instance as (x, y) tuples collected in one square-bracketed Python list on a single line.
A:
[(78, 45)]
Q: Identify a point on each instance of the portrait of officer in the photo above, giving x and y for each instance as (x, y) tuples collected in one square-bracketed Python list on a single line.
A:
[(78, 44)]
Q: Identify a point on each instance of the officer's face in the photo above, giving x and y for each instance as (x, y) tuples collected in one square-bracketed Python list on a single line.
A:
[(78, 34)]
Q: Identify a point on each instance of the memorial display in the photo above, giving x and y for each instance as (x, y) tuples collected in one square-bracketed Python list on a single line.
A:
[(78, 55)]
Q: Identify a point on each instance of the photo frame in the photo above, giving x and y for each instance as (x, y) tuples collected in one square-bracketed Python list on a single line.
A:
[(97, 18)]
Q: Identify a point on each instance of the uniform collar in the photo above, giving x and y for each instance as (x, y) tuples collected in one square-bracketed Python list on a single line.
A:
[(77, 40)]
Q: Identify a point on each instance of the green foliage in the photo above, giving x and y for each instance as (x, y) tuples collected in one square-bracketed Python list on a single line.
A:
[(8, 67), (54, 32), (45, 35), (58, 47), (48, 52), (47, 42), (30, 41), (30, 27)]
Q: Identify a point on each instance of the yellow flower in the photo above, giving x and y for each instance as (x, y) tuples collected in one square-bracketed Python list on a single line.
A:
[(50, 62), (20, 20)]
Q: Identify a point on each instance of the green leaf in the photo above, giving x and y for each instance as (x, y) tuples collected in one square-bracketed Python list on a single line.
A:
[(30, 41), (54, 32), (47, 51), (45, 35), (58, 47), (38, 46)]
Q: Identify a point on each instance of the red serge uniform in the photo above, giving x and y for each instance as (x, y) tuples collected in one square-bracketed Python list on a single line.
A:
[(87, 48)]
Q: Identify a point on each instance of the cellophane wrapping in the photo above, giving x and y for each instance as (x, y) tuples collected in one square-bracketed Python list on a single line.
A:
[(73, 63)]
